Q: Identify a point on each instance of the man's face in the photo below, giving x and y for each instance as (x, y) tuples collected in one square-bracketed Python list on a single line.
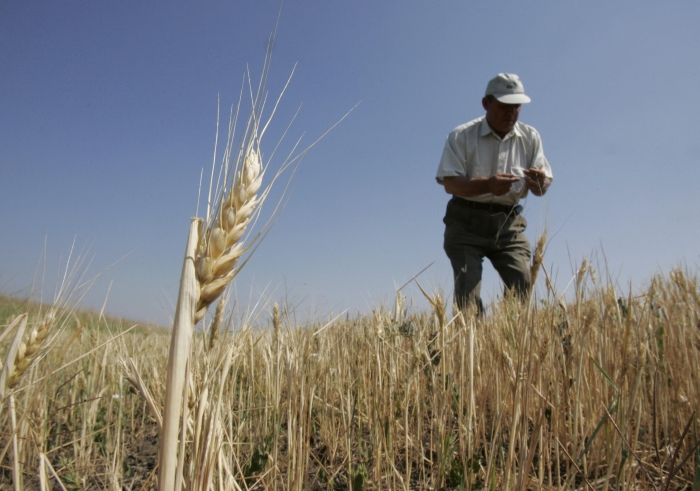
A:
[(501, 117)]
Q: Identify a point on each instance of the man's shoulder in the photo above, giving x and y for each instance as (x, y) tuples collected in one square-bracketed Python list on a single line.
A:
[(472, 125), (527, 131)]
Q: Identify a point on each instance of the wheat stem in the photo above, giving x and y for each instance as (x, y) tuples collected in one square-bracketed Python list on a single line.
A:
[(16, 469), (43, 479), (183, 327)]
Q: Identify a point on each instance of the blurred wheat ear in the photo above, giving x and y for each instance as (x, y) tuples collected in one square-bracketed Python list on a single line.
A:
[(17, 347), (537, 258)]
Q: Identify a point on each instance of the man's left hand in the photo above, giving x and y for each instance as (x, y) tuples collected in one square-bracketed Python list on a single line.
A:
[(536, 180)]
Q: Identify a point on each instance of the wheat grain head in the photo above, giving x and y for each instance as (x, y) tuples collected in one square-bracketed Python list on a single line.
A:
[(28, 350), (221, 246), (537, 258)]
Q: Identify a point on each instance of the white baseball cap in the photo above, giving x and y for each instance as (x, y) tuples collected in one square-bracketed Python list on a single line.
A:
[(507, 88)]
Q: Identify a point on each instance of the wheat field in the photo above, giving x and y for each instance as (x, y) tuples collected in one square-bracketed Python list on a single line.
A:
[(597, 392), (597, 389)]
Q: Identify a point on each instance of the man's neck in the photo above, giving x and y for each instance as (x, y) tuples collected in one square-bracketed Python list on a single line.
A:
[(501, 134)]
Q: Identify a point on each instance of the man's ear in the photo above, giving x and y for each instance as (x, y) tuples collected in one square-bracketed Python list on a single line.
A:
[(485, 103)]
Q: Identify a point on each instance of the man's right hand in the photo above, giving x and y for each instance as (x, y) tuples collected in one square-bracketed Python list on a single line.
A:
[(499, 184)]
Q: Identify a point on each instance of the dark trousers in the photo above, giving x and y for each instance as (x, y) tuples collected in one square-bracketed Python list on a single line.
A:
[(472, 234)]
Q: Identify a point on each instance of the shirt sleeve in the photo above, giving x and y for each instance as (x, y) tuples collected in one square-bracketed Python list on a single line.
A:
[(538, 158), (454, 160)]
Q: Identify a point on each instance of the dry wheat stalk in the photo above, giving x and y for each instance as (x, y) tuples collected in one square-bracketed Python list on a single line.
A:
[(210, 265), (213, 262), (350, 371), (181, 339), (43, 479), (132, 374)]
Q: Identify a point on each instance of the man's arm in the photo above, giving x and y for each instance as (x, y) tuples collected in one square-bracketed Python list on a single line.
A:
[(497, 184), (538, 176)]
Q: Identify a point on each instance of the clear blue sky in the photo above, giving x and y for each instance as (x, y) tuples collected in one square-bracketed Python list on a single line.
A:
[(108, 112)]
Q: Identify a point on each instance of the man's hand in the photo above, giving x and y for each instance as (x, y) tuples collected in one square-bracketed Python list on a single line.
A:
[(536, 180), (499, 184)]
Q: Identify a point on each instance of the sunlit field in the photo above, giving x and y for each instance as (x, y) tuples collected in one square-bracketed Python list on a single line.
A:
[(585, 385), (598, 392)]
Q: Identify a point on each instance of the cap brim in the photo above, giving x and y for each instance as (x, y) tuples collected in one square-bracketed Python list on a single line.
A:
[(512, 98)]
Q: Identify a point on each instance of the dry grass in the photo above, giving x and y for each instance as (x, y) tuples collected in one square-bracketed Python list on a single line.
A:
[(596, 396)]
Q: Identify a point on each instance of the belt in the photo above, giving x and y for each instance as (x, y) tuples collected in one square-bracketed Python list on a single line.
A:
[(492, 207)]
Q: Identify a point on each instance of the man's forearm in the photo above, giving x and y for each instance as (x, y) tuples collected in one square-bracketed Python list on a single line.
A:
[(497, 184), (465, 186)]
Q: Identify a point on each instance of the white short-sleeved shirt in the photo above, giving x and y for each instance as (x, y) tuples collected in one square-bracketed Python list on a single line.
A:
[(474, 150)]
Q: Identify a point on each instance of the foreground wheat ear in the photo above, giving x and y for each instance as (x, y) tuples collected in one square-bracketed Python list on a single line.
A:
[(214, 248), (216, 245), (220, 246)]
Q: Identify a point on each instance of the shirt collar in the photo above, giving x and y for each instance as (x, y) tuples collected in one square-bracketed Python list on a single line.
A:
[(485, 129)]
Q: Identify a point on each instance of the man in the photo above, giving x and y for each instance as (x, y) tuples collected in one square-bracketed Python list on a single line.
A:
[(488, 165)]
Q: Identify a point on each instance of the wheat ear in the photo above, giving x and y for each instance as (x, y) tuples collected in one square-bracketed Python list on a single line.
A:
[(221, 246), (276, 323), (581, 275), (8, 367), (537, 258), (25, 352), (33, 347), (215, 327)]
